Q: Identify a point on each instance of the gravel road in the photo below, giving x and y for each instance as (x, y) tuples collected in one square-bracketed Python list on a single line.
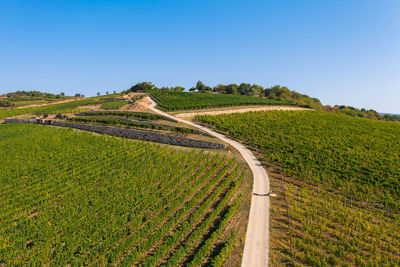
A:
[(256, 246)]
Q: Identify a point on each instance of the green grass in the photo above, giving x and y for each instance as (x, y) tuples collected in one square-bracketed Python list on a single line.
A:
[(343, 196), (168, 100), (70, 197), (114, 104)]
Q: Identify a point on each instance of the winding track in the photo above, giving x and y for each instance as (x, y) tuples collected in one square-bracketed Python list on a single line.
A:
[(256, 248)]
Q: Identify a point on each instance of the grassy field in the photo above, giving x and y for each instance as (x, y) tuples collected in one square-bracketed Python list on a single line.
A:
[(114, 104), (338, 185), (70, 197), (168, 100)]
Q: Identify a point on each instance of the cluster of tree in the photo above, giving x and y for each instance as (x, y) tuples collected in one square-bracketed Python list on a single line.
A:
[(33, 94), (362, 113), (38, 94), (5, 103), (145, 86), (277, 92)]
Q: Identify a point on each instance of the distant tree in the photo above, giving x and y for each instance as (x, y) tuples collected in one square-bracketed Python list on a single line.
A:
[(6, 103), (244, 88), (232, 88), (62, 94), (106, 92), (177, 89), (143, 86), (200, 87), (257, 90), (115, 92), (77, 95), (220, 88), (98, 93)]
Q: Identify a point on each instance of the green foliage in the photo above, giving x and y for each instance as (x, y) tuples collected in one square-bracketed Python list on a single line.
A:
[(348, 212), (56, 108), (114, 104), (284, 94), (185, 100), (143, 86), (356, 156), (362, 113), (73, 198), (32, 95), (66, 107), (391, 117), (223, 254), (126, 114), (336, 230), (174, 88), (6, 104), (137, 124)]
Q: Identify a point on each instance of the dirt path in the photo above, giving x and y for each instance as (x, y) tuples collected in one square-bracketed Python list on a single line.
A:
[(237, 110), (256, 248)]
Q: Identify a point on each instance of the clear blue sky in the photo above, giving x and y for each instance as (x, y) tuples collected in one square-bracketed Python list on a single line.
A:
[(340, 51)]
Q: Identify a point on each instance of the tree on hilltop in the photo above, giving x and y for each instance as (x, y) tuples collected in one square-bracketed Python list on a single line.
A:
[(143, 86)]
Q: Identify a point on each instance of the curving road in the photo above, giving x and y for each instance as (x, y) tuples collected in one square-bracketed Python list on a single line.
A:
[(256, 247)]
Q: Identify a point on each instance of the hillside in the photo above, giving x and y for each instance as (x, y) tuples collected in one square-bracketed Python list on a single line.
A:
[(342, 183), (169, 100), (245, 94), (75, 198), (25, 98)]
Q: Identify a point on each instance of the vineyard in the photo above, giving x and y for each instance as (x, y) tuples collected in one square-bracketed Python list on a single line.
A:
[(126, 114), (66, 107), (343, 199), (169, 100), (134, 124), (71, 197), (114, 104)]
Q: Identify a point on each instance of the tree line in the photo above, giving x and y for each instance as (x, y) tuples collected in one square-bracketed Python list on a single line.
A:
[(276, 92)]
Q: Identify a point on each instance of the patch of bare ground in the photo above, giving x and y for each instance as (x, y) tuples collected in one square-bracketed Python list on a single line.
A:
[(90, 107), (236, 110), (141, 103)]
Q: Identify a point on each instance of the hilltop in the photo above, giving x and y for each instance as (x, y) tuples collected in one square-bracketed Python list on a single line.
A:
[(278, 93)]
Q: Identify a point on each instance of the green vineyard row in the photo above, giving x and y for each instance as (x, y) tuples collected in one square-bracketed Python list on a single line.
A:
[(356, 156), (74, 198), (348, 211), (169, 100)]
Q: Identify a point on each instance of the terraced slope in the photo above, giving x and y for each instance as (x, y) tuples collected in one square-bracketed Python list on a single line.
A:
[(169, 100), (340, 204), (66, 107), (74, 198)]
